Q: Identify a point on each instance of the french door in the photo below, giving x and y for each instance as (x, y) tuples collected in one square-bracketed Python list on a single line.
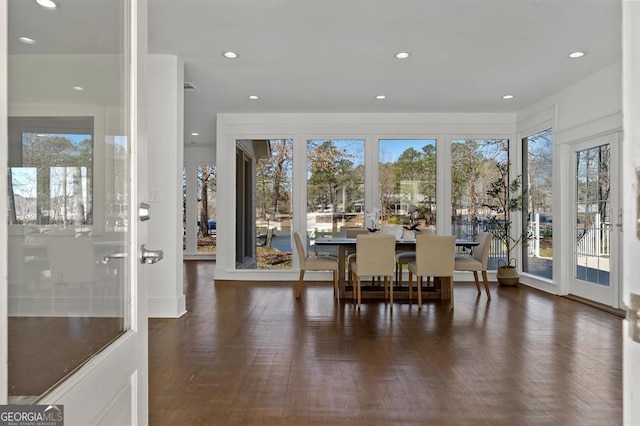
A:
[(596, 220), (76, 304)]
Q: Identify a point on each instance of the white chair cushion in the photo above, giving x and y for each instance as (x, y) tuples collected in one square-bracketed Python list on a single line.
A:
[(321, 263), (405, 256), (467, 263)]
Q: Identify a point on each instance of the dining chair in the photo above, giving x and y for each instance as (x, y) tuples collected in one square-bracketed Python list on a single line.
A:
[(477, 261), (376, 258), (351, 257), (404, 257), (435, 257), (315, 263)]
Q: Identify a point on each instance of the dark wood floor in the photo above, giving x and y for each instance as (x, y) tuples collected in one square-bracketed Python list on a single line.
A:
[(250, 353)]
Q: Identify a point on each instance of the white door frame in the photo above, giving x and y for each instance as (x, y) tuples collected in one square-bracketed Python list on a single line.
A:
[(112, 387), (4, 228), (610, 295), (631, 208)]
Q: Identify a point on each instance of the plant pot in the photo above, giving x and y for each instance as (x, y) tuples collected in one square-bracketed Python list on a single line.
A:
[(508, 276)]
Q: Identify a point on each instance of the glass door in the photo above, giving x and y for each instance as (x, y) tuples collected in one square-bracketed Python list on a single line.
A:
[(76, 295), (595, 215)]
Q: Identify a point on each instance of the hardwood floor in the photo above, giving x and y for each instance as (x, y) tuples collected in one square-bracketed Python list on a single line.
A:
[(250, 353)]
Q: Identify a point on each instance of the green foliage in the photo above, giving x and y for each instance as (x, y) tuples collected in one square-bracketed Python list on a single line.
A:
[(332, 175), (395, 220), (504, 199)]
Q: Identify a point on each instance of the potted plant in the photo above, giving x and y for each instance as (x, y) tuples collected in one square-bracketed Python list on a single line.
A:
[(505, 199)]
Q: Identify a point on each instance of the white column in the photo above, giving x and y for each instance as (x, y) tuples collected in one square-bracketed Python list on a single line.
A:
[(166, 129)]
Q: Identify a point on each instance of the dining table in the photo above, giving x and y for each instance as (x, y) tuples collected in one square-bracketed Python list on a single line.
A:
[(345, 246)]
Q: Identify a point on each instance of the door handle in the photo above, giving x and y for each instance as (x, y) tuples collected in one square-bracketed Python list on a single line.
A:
[(107, 258), (150, 256)]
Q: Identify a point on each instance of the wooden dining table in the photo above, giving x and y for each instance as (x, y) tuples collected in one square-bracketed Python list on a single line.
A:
[(345, 246)]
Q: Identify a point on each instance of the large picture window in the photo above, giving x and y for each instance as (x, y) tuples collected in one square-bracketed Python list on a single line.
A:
[(207, 225), (537, 166), (53, 184), (473, 168), (335, 186), (407, 182), (273, 206)]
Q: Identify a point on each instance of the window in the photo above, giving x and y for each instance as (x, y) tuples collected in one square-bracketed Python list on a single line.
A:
[(407, 182), (473, 168), (593, 215), (206, 196), (51, 181), (273, 206), (537, 166), (335, 186)]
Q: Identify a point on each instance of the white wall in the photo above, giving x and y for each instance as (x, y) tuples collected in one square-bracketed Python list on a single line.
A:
[(166, 99)]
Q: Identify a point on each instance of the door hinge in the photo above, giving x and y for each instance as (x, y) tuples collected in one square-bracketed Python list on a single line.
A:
[(633, 316)]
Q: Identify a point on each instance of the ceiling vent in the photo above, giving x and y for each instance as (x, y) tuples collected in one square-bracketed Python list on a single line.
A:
[(190, 87)]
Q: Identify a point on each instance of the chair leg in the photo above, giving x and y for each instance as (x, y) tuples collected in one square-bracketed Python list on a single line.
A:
[(475, 277), (451, 290), (410, 286), (486, 283), (391, 291), (386, 290), (419, 283), (352, 279), (336, 290), (359, 290), (397, 272), (299, 286)]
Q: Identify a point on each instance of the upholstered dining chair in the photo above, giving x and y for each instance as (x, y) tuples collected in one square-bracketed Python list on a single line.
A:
[(403, 258), (435, 257), (375, 258), (315, 263), (352, 233), (477, 261)]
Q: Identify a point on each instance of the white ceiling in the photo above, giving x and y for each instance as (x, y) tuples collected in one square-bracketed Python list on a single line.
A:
[(337, 55)]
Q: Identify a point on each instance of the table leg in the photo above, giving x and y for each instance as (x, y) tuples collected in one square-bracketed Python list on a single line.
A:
[(342, 257)]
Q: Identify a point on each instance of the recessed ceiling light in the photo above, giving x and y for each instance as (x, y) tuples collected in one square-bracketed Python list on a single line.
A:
[(381, 97), (402, 55), (252, 97), (574, 55), (78, 88), (26, 40), (507, 97), (195, 134), (230, 55), (47, 3)]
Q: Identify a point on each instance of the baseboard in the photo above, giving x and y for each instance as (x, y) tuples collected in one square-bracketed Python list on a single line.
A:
[(600, 306), (167, 307)]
